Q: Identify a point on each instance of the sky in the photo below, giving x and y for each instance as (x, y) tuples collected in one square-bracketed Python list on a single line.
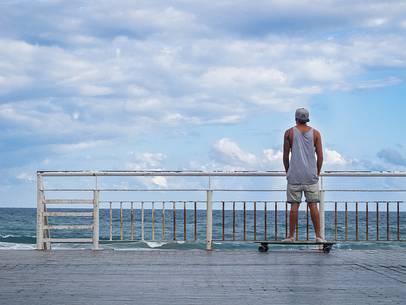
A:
[(129, 85)]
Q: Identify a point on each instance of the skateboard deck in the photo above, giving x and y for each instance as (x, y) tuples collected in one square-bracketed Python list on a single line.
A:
[(327, 246)]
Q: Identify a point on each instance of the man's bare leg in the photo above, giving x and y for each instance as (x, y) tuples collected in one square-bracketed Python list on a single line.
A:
[(294, 207), (314, 213)]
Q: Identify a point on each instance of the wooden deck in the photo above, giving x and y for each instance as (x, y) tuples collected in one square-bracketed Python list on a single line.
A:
[(199, 277)]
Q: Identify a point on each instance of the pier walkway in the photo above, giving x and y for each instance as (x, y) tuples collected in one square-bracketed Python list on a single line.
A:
[(199, 277)]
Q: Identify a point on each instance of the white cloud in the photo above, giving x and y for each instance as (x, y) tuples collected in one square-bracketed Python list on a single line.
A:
[(146, 160), (232, 77), (231, 156), (334, 158), (160, 181), (228, 119), (322, 70), (76, 115), (74, 147), (149, 19), (91, 90), (376, 22), (231, 150), (370, 84), (26, 177), (272, 155), (177, 118)]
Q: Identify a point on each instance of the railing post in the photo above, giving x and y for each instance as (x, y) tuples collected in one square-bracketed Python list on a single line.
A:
[(40, 214), (96, 220), (209, 220), (321, 210)]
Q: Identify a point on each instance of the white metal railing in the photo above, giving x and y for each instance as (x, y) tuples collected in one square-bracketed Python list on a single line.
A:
[(44, 238)]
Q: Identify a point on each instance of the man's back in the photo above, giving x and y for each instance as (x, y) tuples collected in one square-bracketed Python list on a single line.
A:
[(302, 141)]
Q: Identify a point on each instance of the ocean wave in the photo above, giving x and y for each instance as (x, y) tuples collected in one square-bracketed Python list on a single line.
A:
[(155, 244), (16, 236), (18, 239), (7, 235), (16, 246), (56, 246)]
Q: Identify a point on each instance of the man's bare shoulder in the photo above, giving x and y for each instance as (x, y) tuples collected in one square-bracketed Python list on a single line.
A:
[(317, 133), (287, 131)]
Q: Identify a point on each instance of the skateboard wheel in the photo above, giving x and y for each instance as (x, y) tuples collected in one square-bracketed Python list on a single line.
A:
[(263, 248), (326, 249)]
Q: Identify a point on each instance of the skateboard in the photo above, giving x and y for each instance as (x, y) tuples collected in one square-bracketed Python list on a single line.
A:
[(327, 246)]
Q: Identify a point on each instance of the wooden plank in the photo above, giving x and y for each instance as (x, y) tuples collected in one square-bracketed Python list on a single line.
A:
[(68, 227), (69, 201), (68, 240), (69, 214)]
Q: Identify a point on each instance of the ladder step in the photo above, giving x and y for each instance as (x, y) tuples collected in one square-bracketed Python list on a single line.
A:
[(68, 240), (68, 227), (69, 201), (69, 214)]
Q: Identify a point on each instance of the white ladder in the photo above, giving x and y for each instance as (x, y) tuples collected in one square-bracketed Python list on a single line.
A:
[(44, 239)]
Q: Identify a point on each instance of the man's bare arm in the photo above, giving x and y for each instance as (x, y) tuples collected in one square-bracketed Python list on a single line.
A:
[(286, 150), (319, 151)]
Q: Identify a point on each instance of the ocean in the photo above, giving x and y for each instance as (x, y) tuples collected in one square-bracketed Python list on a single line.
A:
[(18, 229)]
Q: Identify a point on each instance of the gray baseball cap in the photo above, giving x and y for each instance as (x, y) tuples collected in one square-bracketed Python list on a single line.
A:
[(302, 115)]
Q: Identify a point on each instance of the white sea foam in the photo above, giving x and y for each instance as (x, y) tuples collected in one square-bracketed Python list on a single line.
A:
[(132, 249), (17, 236), (155, 244), (19, 246), (7, 236), (15, 246)]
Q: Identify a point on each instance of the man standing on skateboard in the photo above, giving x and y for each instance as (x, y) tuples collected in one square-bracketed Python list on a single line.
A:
[(302, 170)]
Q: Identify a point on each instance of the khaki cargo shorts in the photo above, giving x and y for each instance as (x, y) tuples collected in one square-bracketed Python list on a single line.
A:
[(294, 193)]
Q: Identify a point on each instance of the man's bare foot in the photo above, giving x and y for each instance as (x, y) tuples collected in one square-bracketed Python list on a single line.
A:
[(288, 240)]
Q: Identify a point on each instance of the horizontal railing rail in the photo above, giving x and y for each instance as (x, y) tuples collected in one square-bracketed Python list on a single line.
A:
[(206, 219), (216, 173)]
